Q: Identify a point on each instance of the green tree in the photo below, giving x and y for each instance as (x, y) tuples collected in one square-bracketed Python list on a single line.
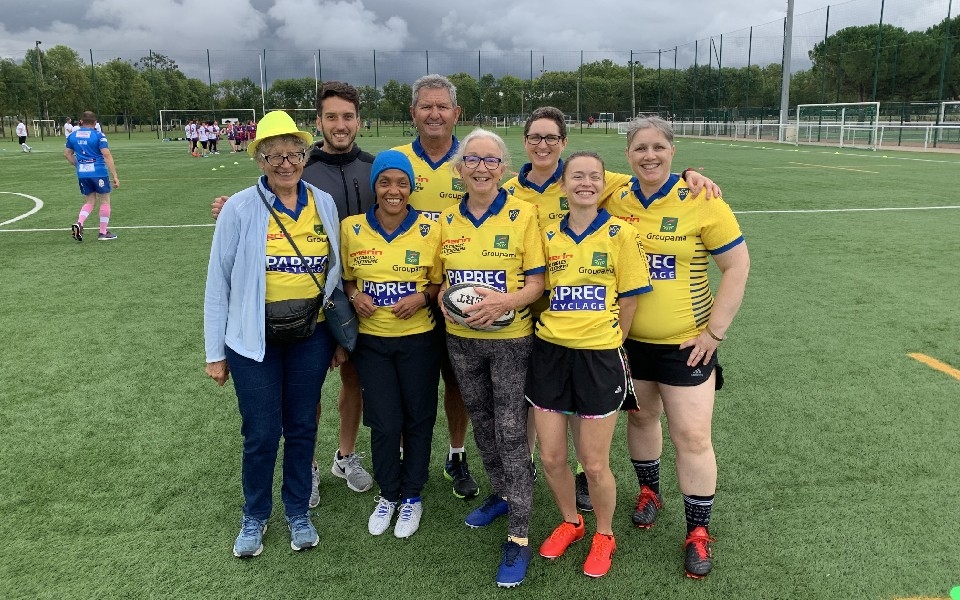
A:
[(369, 101), (468, 94), (292, 93), (396, 100)]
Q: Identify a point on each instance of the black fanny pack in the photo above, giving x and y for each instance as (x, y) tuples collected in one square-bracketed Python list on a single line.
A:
[(292, 320)]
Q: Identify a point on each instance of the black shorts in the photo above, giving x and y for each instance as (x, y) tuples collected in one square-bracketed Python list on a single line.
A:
[(203, 144), (667, 363), (23, 139), (591, 384), (440, 331)]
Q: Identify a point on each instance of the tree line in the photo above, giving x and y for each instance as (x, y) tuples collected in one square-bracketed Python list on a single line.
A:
[(862, 63)]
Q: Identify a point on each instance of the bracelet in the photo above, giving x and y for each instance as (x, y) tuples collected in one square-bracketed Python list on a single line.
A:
[(354, 296), (427, 296), (683, 173), (713, 335)]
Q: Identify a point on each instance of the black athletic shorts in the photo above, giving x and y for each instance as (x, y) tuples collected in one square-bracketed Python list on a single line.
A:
[(591, 384), (667, 363)]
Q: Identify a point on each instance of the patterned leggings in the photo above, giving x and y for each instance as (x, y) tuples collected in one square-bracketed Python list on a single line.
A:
[(492, 374)]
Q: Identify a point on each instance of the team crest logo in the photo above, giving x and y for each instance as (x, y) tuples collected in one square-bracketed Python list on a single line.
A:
[(683, 193), (550, 235), (614, 229), (514, 214), (564, 203), (599, 259), (318, 229), (424, 230), (501, 242), (412, 258), (669, 224), (458, 185), (449, 219), (356, 229), (624, 193)]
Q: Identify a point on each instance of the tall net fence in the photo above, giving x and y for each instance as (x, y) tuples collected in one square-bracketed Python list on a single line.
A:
[(903, 54)]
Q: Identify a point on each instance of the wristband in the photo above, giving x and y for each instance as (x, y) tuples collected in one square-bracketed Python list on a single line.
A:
[(354, 296), (712, 334), (427, 296)]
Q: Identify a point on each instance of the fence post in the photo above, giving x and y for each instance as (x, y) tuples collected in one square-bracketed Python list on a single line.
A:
[(876, 54), (943, 68), (93, 81), (823, 70)]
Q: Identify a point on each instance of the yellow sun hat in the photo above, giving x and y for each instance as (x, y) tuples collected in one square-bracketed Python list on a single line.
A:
[(276, 123)]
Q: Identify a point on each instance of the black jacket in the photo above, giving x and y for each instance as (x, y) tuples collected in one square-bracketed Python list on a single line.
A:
[(346, 177)]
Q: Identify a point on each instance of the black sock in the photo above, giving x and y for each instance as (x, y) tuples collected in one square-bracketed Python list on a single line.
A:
[(648, 473), (697, 509)]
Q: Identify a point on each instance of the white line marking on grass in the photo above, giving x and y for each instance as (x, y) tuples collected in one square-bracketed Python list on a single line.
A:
[(830, 167), (37, 205), (863, 154), (111, 227), (836, 210)]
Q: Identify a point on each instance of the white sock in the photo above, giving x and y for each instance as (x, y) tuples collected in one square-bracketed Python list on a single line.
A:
[(454, 451)]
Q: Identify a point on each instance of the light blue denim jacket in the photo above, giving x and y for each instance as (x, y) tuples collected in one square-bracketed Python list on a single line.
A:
[(235, 298)]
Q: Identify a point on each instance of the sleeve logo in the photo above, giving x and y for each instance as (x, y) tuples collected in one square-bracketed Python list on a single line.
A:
[(669, 224), (356, 229), (449, 219)]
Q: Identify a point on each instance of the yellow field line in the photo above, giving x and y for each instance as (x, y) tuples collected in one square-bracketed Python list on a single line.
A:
[(837, 168), (935, 364)]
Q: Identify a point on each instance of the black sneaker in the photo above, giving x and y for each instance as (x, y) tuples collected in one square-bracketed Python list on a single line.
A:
[(583, 493), (649, 504), (699, 557), (457, 471), (76, 230)]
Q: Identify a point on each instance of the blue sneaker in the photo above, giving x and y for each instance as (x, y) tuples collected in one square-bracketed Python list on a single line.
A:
[(494, 506), (302, 532), (513, 567), (250, 541)]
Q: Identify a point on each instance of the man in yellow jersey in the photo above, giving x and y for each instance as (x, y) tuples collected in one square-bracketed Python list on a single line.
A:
[(435, 112)]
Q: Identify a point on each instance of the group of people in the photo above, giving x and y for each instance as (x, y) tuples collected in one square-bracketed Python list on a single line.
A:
[(607, 277), (202, 137)]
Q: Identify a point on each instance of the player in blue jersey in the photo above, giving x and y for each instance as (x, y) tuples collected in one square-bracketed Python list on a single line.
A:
[(87, 150)]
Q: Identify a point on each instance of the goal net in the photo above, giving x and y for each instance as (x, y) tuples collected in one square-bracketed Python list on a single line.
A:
[(849, 124), (49, 127), (173, 121)]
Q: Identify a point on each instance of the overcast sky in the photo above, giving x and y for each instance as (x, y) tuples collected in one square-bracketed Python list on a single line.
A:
[(235, 31)]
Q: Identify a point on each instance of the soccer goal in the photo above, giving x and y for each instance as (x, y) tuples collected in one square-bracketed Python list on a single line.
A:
[(173, 120), (847, 124), (950, 112), (49, 127)]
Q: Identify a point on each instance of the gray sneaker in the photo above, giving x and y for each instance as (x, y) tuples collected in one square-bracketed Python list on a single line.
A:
[(302, 532), (380, 517), (314, 486), (250, 541), (349, 468), (408, 521)]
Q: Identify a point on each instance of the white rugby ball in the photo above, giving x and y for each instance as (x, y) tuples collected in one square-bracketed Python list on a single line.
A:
[(461, 296)]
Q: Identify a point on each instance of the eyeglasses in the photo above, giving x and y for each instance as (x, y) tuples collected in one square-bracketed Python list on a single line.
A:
[(534, 139), (276, 160), (491, 162)]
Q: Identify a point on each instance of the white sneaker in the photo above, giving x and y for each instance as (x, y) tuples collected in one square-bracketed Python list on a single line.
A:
[(314, 486), (408, 520), (381, 516), (349, 468)]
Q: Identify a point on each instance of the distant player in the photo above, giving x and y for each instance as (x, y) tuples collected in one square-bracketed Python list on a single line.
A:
[(87, 150), (68, 128), (22, 135)]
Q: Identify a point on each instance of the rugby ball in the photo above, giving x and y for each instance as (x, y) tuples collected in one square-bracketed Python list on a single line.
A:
[(461, 296)]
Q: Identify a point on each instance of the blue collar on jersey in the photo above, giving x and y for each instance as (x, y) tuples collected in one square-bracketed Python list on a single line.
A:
[(663, 191), (419, 151), (301, 199), (495, 207), (405, 224), (525, 169), (602, 217)]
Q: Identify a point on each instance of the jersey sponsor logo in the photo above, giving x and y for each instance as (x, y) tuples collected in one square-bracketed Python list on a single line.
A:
[(86, 167), (316, 239), (424, 229), (83, 134), (495, 278), (432, 215), (683, 193), (318, 229), (367, 256), (454, 246), (514, 213), (275, 236), (356, 229), (666, 238), (294, 266), (388, 293), (614, 229), (599, 259), (412, 257), (501, 242), (669, 224), (662, 266), (578, 297), (456, 184), (559, 262), (564, 203)]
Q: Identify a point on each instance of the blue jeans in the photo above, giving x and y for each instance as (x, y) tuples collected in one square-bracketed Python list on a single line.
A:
[(278, 397)]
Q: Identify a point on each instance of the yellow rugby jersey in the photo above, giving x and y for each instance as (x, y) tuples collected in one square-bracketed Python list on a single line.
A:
[(287, 279), (390, 266), (499, 249), (549, 198), (586, 274), (679, 232), (437, 186)]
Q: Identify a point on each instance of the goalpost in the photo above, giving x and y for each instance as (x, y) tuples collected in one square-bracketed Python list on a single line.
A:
[(49, 127), (844, 124), (173, 120)]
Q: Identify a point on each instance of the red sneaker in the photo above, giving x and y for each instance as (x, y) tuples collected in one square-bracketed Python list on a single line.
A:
[(561, 538), (699, 557), (601, 555)]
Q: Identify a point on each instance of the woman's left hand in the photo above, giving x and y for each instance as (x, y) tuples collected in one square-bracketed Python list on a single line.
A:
[(408, 306), (340, 356), (697, 182), (493, 306), (703, 348), (218, 371)]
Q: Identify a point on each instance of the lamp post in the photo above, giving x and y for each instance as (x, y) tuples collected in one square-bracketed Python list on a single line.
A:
[(44, 109)]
